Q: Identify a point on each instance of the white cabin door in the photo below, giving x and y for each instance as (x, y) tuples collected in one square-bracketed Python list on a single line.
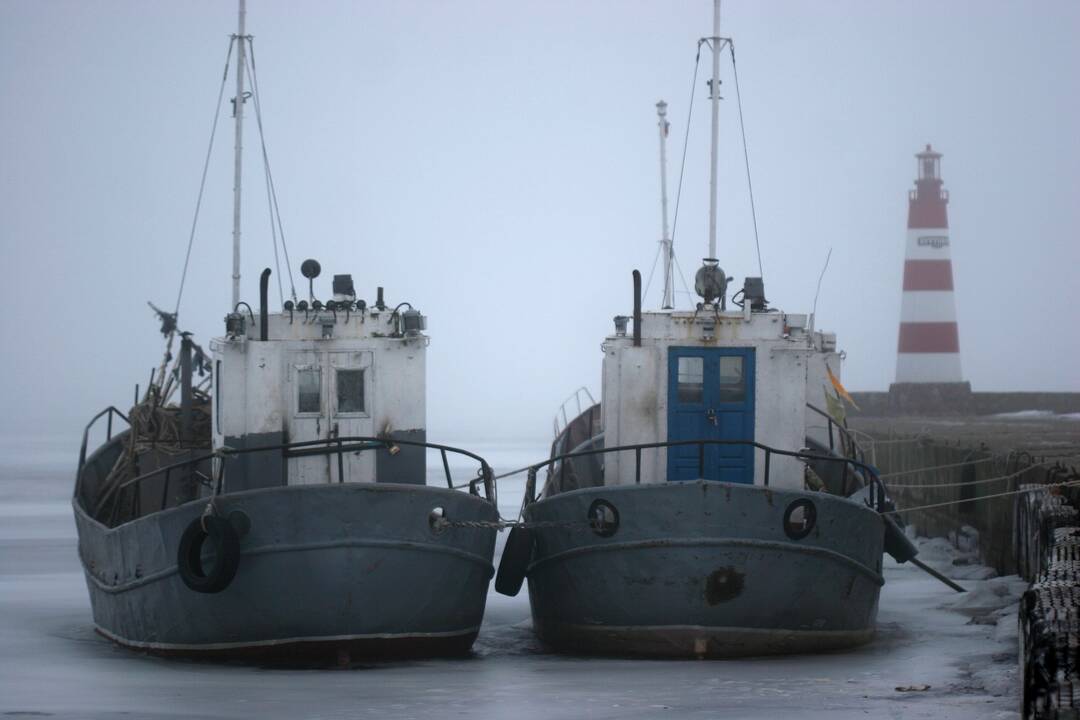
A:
[(308, 415), (351, 414)]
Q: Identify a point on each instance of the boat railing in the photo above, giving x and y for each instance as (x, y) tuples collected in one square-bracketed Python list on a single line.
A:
[(877, 499), (107, 413), (854, 450), (338, 446), (562, 418)]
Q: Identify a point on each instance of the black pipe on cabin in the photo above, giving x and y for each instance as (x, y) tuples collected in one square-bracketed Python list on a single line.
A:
[(637, 309), (379, 299), (185, 389), (264, 317)]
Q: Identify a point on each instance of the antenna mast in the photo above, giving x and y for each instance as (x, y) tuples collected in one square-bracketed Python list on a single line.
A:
[(710, 281), (665, 237), (238, 113), (714, 92)]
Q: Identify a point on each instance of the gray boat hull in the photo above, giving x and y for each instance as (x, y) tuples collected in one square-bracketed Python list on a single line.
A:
[(703, 569), (357, 567)]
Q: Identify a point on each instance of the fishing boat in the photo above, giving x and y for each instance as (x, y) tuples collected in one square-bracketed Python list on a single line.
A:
[(706, 506), (270, 497)]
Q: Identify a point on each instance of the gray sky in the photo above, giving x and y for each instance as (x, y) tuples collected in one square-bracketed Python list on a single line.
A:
[(495, 164)]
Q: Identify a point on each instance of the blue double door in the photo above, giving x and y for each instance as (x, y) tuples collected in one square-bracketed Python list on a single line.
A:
[(711, 397)]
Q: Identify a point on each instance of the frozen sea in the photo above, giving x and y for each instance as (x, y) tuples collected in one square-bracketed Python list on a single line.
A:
[(937, 654)]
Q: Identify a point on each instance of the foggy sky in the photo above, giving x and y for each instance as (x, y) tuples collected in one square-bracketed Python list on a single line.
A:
[(495, 164)]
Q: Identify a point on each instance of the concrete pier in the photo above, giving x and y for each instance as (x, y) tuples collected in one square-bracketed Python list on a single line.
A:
[(1000, 480)]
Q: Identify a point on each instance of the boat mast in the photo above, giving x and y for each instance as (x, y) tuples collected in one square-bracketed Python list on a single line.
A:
[(714, 92), (238, 113), (665, 237)]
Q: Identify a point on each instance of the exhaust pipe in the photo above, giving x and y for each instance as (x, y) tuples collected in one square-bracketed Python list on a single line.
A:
[(637, 309), (264, 319)]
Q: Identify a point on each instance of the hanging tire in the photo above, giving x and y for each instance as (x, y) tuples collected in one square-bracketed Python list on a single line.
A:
[(225, 543), (515, 561)]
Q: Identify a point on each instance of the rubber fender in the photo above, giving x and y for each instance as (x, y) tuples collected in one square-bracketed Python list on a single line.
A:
[(515, 561), (897, 543), (222, 537)]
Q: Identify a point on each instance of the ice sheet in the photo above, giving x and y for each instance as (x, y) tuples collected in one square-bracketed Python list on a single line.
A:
[(53, 664)]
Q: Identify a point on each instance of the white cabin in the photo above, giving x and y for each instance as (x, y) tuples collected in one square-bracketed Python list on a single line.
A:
[(321, 374), (718, 375)]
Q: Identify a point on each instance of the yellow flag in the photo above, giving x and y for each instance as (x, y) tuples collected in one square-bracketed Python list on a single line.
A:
[(840, 388), (835, 407)]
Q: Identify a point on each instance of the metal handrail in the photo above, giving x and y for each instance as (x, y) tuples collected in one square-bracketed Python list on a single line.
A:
[(110, 411), (576, 397), (869, 470), (856, 449), (308, 448)]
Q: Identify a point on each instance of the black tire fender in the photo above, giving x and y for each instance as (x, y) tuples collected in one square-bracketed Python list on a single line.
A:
[(515, 561), (226, 546)]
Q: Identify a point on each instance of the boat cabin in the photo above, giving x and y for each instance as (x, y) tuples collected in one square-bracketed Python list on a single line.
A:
[(318, 372), (713, 375)]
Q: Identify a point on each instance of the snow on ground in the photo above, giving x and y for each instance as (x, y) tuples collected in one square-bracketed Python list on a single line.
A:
[(1036, 415), (953, 655)]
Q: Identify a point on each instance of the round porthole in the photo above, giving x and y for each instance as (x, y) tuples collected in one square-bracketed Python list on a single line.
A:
[(604, 518), (799, 519)]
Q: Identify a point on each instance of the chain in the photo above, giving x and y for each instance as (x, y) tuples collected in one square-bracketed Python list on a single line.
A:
[(440, 524)]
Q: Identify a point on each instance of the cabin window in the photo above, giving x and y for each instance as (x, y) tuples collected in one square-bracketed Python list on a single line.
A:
[(691, 379), (309, 389), (350, 391), (732, 387)]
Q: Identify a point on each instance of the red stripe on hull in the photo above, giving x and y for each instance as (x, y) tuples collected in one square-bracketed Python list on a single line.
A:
[(928, 275), (929, 337)]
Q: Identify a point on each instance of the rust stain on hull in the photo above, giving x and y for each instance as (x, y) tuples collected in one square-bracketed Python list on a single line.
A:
[(724, 584)]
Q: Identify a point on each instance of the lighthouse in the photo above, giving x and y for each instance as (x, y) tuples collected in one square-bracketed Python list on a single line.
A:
[(929, 346)]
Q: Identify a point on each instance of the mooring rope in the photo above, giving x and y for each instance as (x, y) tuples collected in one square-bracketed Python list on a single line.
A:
[(898, 441), (512, 472), (974, 482), (937, 467), (1040, 488)]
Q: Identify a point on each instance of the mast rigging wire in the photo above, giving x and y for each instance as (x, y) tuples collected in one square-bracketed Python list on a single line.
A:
[(202, 182), (813, 312), (269, 199), (648, 283), (682, 164), (271, 188), (746, 156), (686, 288)]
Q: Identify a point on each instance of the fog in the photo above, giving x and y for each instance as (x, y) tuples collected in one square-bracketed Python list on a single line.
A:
[(495, 164)]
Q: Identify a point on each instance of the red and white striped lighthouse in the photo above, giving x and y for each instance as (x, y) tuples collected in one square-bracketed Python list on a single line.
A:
[(929, 348)]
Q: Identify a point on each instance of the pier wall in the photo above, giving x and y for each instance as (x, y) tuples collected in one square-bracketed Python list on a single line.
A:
[(988, 487), (938, 399), (978, 518)]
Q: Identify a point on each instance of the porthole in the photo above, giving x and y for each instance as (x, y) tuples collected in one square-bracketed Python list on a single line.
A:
[(603, 518), (799, 519)]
